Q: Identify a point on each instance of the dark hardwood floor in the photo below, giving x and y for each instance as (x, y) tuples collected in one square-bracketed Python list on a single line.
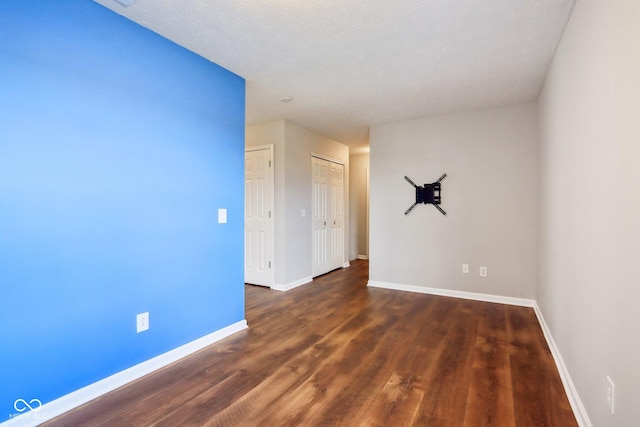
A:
[(336, 353)]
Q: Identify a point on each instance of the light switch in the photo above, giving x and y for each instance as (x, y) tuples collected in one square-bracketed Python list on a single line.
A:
[(142, 322), (222, 216)]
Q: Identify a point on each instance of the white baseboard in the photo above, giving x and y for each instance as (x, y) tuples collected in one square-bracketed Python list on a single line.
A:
[(79, 397), (362, 257), (454, 294), (300, 282), (572, 394), (291, 285)]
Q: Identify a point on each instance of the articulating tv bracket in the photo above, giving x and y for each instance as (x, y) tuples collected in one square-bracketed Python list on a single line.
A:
[(427, 194)]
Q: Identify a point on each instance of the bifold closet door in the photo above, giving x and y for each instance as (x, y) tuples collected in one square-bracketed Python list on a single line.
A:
[(328, 215)]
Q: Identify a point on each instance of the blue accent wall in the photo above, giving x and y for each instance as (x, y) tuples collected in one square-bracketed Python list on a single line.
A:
[(117, 148)]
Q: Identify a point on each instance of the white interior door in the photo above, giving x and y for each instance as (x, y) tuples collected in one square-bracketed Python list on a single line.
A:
[(258, 216), (336, 224), (319, 195), (327, 216)]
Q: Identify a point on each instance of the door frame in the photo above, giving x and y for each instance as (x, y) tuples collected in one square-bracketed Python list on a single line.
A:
[(272, 244)]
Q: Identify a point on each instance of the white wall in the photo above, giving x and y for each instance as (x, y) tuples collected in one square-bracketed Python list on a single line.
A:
[(590, 205), (490, 195), (358, 205), (293, 148)]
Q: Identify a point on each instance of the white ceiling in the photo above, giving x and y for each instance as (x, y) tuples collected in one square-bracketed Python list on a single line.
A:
[(349, 64)]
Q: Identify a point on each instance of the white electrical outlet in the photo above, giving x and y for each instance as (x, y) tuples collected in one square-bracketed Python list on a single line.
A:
[(611, 388), (483, 272), (465, 268), (142, 322)]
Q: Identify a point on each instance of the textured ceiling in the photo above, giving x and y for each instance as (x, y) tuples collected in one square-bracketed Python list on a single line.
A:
[(349, 64)]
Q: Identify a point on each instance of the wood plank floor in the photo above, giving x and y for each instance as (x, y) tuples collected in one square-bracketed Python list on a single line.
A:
[(336, 353)]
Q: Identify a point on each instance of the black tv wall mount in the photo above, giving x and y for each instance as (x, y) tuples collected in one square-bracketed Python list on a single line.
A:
[(427, 194)]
